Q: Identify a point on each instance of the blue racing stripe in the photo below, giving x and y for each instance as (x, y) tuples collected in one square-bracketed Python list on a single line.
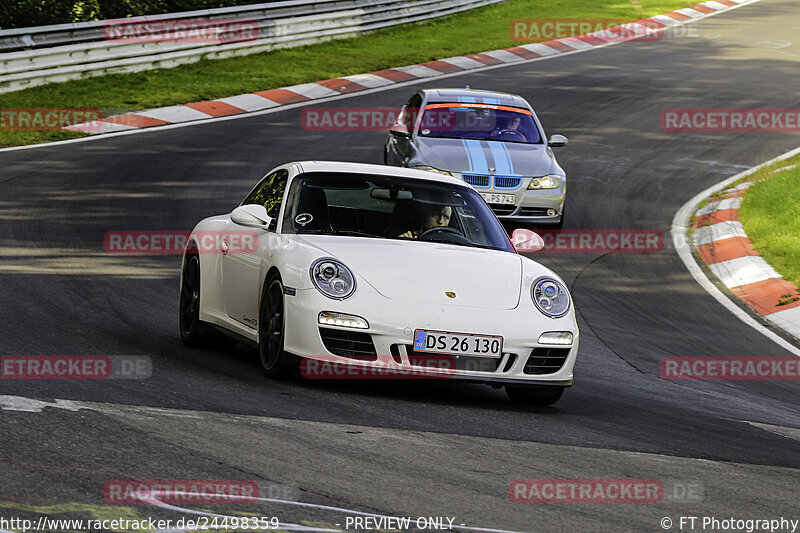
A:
[(502, 160), (476, 156)]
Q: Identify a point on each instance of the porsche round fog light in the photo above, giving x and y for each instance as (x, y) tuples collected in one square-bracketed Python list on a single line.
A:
[(552, 212), (561, 338), (550, 297), (333, 279), (330, 318)]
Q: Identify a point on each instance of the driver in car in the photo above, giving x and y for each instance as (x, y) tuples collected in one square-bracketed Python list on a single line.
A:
[(509, 124), (433, 216)]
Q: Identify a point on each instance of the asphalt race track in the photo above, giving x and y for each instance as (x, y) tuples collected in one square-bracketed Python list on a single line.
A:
[(409, 448)]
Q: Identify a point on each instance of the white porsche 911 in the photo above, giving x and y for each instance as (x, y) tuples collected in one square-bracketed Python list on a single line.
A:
[(370, 266)]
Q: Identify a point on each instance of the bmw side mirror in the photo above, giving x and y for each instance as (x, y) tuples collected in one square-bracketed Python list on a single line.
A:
[(526, 241), (251, 216), (556, 141), (400, 130)]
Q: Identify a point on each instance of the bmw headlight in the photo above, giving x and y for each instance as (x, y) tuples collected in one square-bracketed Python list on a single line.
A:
[(545, 182), (333, 279), (551, 297)]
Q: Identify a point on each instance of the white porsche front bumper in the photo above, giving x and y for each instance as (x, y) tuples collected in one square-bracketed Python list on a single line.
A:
[(391, 332)]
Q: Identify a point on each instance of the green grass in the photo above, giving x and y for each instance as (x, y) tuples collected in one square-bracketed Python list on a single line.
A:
[(479, 30), (769, 216)]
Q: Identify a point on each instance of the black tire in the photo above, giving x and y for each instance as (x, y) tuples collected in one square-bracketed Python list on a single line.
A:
[(532, 395), (275, 362), (189, 312)]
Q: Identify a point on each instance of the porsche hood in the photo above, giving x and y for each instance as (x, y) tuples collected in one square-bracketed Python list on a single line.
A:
[(425, 272)]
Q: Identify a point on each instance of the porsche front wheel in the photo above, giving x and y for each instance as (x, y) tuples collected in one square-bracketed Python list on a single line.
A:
[(531, 395), (190, 300), (275, 363)]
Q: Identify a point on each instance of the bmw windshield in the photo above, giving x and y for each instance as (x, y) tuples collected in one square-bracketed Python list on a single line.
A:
[(391, 207), (479, 121)]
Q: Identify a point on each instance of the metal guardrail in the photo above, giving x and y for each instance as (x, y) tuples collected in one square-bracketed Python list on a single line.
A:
[(46, 54)]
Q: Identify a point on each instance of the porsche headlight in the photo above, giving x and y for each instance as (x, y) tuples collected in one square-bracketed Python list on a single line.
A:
[(551, 297), (545, 182), (333, 279)]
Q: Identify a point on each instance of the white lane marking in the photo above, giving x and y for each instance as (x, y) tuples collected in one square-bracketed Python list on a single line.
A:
[(19, 403), (504, 55), (542, 49), (689, 12), (158, 503), (419, 71), (743, 271), (100, 127), (574, 42), (783, 431), (788, 320), (714, 5), (680, 224), (721, 205), (463, 62), (312, 90), (349, 95), (371, 81), (717, 232), (249, 102), (30, 405), (175, 113)]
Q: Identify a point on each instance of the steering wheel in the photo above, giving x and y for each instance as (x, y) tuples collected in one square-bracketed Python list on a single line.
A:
[(511, 132), (440, 229)]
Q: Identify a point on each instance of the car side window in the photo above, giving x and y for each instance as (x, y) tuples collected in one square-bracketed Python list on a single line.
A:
[(269, 193)]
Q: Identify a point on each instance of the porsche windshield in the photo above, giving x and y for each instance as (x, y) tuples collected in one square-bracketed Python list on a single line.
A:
[(391, 207), (479, 121)]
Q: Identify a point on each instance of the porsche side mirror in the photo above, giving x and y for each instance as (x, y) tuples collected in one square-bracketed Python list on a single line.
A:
[(526, 241), (399, 130), (252, 216), (557, 141)]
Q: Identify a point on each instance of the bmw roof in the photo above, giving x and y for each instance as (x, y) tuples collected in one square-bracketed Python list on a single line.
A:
[(475, 96)]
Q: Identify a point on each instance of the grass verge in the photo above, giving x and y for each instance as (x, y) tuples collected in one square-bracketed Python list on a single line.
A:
[(475, 31), (769, 216)]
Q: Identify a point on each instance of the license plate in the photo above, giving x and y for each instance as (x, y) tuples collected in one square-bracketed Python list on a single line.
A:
[(505, 199), (458, 343)]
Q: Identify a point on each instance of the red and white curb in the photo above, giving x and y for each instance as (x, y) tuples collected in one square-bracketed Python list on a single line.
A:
[(261, 100), (722, 243)]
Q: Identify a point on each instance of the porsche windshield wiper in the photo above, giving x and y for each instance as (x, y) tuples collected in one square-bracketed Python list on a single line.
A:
[(349, 232)]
